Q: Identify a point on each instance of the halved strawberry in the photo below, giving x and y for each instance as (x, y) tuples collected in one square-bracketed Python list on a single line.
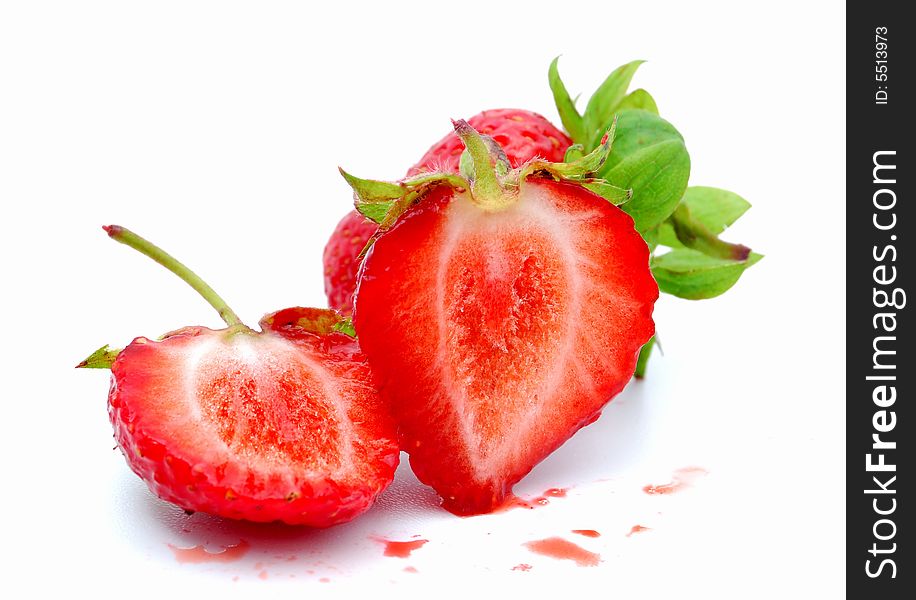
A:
[(523, 136), (499, 316), (282, 424)]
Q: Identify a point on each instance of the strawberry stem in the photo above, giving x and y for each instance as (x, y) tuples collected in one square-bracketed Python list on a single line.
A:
[(487, 191), (129, 238)]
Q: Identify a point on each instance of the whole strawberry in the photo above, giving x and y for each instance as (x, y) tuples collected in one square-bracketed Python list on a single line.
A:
[(281, 424), (500, 313), (523, 136)]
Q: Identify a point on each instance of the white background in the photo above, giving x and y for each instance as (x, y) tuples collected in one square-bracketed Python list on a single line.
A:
[(215, 129)]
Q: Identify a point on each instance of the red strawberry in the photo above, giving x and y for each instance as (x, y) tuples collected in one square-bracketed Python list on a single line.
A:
[(523, 135), (278, 425), (500, 316)]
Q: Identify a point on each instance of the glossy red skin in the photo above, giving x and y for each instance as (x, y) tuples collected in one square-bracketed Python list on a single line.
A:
[(178, 473), (398, 345), (523, 135), (341, 259)]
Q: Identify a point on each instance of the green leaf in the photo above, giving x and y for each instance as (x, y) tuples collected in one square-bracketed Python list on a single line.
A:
[(688, 232), (604, 102), (569, 116), (650, 158), (695, 276), (643, 359), (715, 208), (102, 358), (638, 99), (651, 238)]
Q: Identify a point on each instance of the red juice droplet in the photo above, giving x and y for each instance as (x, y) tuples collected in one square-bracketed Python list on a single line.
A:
[(638, 529), (682, 478), (559, 548), (262, 575), (400, 549), (199, 554), (410, 569), (324, 580), (512, 501), (587, 532), (522, 567)]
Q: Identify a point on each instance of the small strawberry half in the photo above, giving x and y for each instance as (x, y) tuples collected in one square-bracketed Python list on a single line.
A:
[(523, 136), (283, 424), (500, 314)]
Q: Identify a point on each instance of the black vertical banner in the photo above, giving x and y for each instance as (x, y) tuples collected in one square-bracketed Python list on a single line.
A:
[(880, 371)]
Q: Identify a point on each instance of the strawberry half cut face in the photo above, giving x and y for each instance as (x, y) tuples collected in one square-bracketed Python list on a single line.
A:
[(523, 136), (283, 424), (497, 334)]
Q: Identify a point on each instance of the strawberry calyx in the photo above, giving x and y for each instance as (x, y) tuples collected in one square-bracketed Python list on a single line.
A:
[(102, 358), (486, 175)]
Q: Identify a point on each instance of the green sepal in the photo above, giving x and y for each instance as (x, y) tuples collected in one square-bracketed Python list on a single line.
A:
[(566, 106), (640, 100), (606, 100), (497, 154), (346, 326), (383, 202), (374, 211), (373, 199), (574, 152), (369, 190), (102, 358), (643, 359), (613, 194), (693, 275), (585, 166)]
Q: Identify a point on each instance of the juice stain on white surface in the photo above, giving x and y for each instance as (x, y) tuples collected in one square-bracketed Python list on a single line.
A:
[(512, 501), (557, 547), (638, 529), (587, 532), (199, 554), (398, 549), (683, 478)]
